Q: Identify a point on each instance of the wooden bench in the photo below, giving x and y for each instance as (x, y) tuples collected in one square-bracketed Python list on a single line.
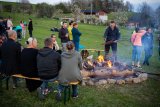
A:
[(67, 87)]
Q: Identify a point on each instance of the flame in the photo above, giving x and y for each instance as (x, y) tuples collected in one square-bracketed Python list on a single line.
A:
[(100, 59), (109, 64)]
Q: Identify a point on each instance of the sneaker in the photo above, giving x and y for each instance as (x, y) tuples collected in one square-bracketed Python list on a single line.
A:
[(40, 94), (74, 96)]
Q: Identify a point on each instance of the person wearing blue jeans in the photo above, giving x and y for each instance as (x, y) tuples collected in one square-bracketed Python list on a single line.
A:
[(136, 53), (70, 70), (76, 36)]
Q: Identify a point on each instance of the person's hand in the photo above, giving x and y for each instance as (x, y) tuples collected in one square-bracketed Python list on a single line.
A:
[(115, 41), (104, 39), (66, 35)]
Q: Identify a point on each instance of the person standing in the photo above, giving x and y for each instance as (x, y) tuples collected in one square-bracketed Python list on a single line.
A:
[(70, 30), (76, 36), (70, 70), (147, 41), (136, 40), (10, 52), (30, 27), (63, 35), (111, 37), (29, 64), (23, 29), (9, 23)]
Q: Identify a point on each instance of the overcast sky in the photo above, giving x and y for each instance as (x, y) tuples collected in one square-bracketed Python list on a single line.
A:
[(153, 3)]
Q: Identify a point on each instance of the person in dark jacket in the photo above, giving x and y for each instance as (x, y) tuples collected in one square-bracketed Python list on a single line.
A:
[(111, 37), (147, 41), (30, 27), (10, 52), (48, 63), (29, 64), (76, 36), (63, 35)]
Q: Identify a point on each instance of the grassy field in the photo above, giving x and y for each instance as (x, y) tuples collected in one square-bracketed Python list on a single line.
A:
[(130, 95)]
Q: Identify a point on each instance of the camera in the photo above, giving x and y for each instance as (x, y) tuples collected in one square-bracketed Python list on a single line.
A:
[(54, 29)]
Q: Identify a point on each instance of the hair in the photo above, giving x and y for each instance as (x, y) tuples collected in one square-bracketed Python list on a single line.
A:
[(64, 23), (21, 21), (11, 33), (74, 24), (70, 45), (112, 21), (30, 40), (71, 22), (53, 36), (30, 19), (148, 28), (48, 42), (137, 29)]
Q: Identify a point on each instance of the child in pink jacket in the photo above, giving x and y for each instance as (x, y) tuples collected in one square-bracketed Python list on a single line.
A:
[(137, 46)]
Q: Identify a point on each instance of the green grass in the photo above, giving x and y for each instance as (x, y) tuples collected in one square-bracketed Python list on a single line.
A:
[(130, 95)]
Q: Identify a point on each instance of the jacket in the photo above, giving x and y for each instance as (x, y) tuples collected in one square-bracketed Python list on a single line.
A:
[(62, 35), (70, 33), (10, 54), (76, 35), (112, 35), (147, 40), (71, 66), (136, 38), (30, 26), (48, 63)]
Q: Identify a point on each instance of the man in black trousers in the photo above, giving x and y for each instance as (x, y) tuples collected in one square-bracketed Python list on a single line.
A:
[(30, 27), (111, 37), (10, 54)]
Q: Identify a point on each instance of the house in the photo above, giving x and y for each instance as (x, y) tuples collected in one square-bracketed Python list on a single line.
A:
[(94, 16)]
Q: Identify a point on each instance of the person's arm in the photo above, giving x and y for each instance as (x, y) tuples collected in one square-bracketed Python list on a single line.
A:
[(133, 37), (78, 32), (105, 34), (56, 45)]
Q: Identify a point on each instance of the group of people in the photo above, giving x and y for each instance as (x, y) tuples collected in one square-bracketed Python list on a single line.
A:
[(70, 34), (45, 63), (139, 39), (7, 24)]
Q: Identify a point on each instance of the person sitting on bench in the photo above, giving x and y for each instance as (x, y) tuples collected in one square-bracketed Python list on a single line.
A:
[(49, 64), (29, 64), (70, 69)]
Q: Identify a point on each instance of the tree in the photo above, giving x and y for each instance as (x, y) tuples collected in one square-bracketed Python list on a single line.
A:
[(76, 12), (44, 10), (146, 14), (26, 7), (157, 12), (129, 6)]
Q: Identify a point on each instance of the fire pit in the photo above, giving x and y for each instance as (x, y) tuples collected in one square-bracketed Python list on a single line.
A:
[(100, 72)]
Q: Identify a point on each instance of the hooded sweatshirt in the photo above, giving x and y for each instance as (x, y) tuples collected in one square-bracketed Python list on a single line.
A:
[(71, 66), (48, 63)]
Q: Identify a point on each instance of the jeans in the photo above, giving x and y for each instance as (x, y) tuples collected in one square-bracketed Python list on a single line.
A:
[(148, 54), (136, 53), (114, 50), (30, 33), (76, 45), (45, 83), (74, 89)]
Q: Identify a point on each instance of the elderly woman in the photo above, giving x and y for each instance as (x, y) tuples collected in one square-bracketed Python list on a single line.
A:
[(29, 64), (70, 69)]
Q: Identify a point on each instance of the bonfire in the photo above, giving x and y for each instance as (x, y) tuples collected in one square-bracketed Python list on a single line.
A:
[(102, 71)]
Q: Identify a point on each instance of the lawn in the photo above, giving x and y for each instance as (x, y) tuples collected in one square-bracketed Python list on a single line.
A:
[(129, 95)]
